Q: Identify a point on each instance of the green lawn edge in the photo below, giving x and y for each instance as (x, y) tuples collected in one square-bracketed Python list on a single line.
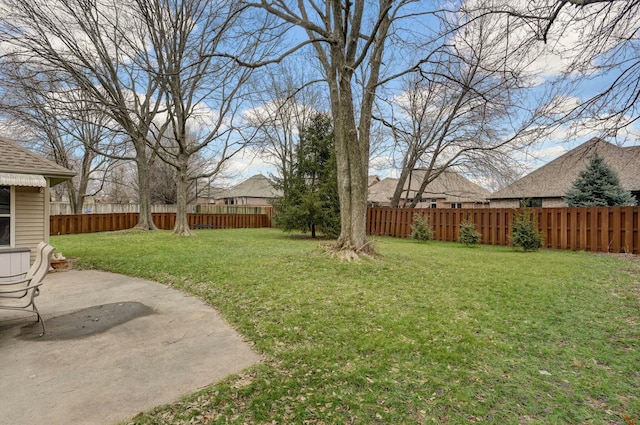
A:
[(421, 333)]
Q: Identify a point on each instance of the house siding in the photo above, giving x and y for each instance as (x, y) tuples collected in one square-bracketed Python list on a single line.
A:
[(553, 203), (515, 203), (29, 223), (244, 200), (504, 203)]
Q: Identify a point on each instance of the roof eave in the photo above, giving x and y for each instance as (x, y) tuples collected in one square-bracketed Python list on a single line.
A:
[(54, 178)]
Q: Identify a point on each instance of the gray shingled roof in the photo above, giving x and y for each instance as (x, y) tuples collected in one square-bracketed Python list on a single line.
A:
[(19, 160), (452, 186), (257, 186), (449, 185), (382, 191), (555, 178)]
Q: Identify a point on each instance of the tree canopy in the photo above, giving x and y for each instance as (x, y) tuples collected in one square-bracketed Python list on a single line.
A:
[(310, 198)]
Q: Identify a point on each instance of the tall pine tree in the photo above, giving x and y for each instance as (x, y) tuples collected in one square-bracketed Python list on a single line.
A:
[(598, 185), (310, 201)]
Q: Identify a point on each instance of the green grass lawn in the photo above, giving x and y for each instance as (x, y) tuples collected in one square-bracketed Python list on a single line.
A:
[(422, 333)]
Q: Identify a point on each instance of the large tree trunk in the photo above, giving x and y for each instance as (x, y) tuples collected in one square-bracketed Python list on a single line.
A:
[(85, 171), (343, 46), (145, 220), (73, 198), (182, 226), (352, 158)]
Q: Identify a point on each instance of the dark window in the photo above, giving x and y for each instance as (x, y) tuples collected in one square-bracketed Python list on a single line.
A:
[(531, 203), (5, 215), (5, 200)]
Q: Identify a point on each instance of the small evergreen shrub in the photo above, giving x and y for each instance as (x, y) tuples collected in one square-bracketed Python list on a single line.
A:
[(468, 234), (524, 231), (421, 229)]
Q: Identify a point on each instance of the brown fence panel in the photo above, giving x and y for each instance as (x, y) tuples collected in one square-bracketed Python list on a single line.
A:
[(91, 223), (228, 221), (604, 229)]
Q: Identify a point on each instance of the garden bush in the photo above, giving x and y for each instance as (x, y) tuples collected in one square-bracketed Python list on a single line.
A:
[(421, 229), (524, 231), (468, 234)]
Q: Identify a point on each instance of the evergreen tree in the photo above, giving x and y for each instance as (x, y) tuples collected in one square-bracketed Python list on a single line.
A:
[(598, 185), (524, 231), (310, 199)]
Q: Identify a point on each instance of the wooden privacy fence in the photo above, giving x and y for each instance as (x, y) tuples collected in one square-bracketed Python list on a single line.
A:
[(602, 229), (63, 208), (90, 223)]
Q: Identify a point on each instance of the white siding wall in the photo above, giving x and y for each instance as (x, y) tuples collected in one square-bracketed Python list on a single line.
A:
[(30, 218)]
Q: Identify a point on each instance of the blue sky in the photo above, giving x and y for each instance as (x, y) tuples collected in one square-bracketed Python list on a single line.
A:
[(566, 42)]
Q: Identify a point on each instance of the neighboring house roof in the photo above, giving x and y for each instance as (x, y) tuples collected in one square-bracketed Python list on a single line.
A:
[(449, 185), (382, 191), (20, 165), (257, 186), (372, 180), (555, 178)]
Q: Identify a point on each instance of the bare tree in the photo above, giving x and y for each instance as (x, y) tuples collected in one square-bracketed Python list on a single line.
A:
[(597, 43), (120, 186), (163, 183), (465, 110), (96, 47), (349, 39), (203, 91), (285, 104), (60, 125)]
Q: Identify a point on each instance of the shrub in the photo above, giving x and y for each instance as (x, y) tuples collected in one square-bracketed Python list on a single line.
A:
[(468, 233), (421, 229), (524, 231)]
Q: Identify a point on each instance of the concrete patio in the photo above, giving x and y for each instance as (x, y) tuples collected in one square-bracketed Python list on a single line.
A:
[(114, 346)]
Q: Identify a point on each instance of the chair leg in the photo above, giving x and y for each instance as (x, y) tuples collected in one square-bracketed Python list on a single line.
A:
[(39, 318)]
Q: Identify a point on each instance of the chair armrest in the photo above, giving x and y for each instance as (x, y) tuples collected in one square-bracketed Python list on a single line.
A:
[(23, 289), (16, 282), (10, 276), (19, 285)]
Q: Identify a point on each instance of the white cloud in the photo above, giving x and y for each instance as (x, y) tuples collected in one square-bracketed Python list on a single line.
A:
[(205, 119), (571, 38), (63, 29), (244, 165), (381, 162), (547, 153), (284, 114)]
